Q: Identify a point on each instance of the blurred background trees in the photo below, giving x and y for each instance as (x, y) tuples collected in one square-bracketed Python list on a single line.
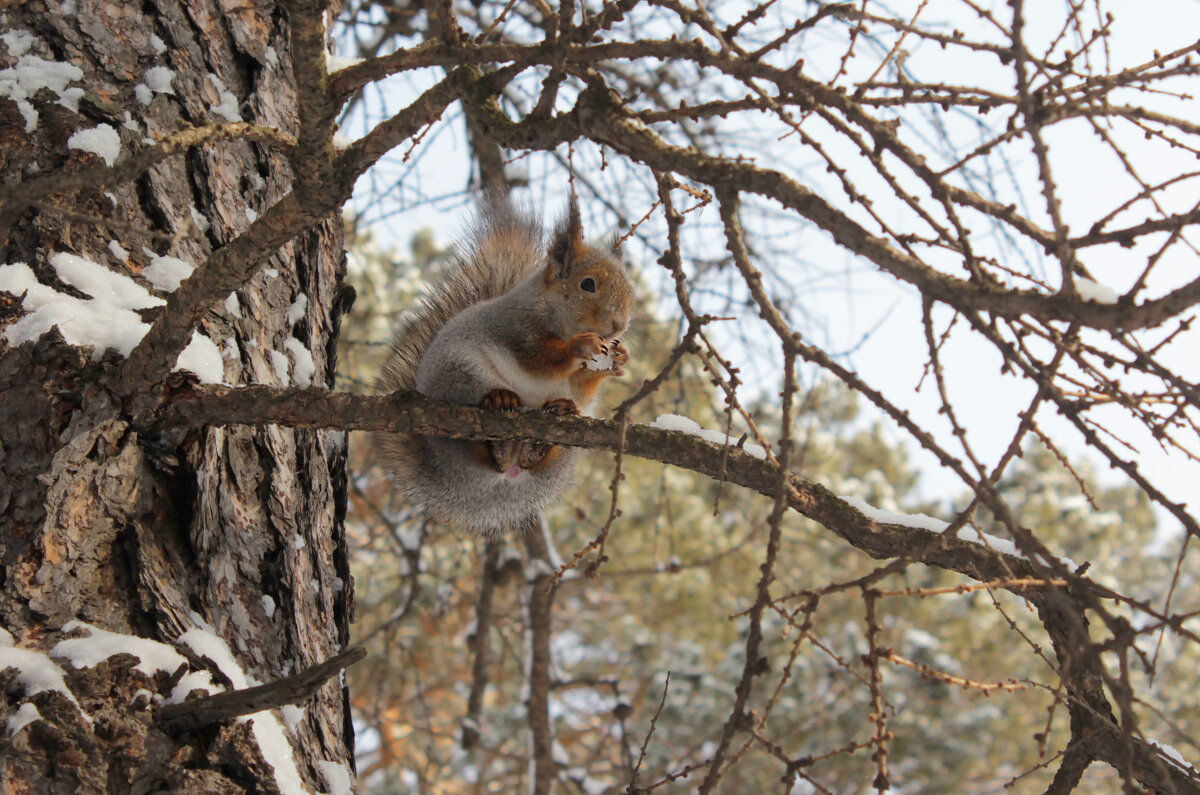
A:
[(1024, 173), (974, 708)]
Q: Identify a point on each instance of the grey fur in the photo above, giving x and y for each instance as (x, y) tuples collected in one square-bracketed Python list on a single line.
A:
[(492, 298)]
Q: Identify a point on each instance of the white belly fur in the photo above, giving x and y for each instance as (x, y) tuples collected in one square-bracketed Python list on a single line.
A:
[(496, 365)]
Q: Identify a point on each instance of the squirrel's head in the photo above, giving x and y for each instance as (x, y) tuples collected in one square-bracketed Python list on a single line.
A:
[(591, 284)]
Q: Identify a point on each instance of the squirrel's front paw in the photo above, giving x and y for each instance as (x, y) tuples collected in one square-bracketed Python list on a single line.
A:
[(563, 407), (586, 345), (619, 355), (503, 399), (609, 361)]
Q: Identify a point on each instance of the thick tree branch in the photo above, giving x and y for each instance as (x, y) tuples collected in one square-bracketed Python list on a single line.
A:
[(196, 712), (409, 412)]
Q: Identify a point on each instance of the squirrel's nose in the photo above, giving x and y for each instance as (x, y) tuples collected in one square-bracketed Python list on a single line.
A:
[(616, 328)]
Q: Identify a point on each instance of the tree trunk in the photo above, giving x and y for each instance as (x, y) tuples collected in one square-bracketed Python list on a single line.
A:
[(223, 544)]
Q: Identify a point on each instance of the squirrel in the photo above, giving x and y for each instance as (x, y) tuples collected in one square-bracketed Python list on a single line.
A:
[(515, 323)]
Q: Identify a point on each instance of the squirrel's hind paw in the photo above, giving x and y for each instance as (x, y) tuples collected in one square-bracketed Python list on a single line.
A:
[(531, 455), (536, 455), (503, 399), (504, 454)]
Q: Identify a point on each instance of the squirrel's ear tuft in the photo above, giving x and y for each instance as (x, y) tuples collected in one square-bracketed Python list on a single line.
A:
[(567, 245)]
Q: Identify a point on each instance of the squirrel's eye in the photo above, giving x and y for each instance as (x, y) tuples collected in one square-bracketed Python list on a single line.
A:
[(588, 285)]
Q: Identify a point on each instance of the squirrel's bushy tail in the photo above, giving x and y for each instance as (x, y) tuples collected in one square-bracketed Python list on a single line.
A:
[(503, 246)]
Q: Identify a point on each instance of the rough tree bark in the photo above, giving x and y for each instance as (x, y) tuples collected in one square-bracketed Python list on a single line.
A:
[(234, 531)]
